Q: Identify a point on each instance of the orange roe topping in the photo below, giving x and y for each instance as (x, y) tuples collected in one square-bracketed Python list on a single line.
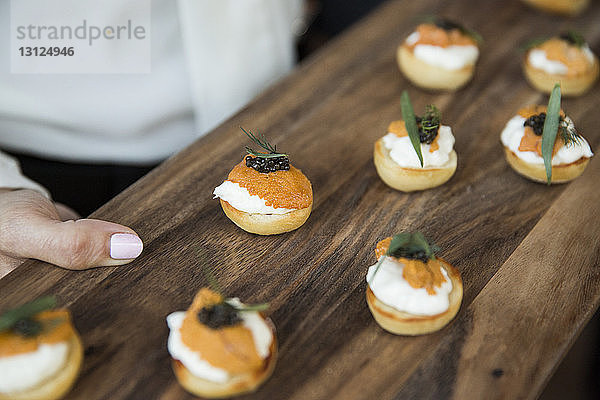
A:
[(57, 328), (423, 275), (382, 247), (279, 189), (230, 348), (435, 36), (568, 54), (530, 141), (417, 273), (398, 128)]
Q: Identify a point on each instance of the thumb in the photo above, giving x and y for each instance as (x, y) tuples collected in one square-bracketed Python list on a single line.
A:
[(81, 244)]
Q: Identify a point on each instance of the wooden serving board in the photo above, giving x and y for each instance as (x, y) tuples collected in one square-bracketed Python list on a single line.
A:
[(529, 254)]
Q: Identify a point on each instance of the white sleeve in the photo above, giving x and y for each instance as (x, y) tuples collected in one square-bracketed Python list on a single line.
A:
[(234, 50), (12, 178)]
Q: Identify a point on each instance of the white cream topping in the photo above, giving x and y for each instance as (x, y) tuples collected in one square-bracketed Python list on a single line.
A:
[(24, 371), (412, 38), (538, 59), (588, 53), (261, 333), (451, 57), (513, 133), (390, 287), (242, 200), (403, 153)]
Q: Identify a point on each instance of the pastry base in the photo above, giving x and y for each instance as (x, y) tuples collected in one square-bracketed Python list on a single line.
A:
[(431, 77), (537, 172), (237, 385), (410, 179), (266, 224), (57, 385), (564, 7), (403, 323), (569, 86)]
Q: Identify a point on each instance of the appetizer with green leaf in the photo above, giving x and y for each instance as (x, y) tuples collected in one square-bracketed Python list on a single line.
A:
[(40, 351), (410, 290), (417, 152), (566, 59), (221, 347), (440, 54), (541, 143)]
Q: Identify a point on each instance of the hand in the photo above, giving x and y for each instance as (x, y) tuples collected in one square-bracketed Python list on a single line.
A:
[(31, 227)]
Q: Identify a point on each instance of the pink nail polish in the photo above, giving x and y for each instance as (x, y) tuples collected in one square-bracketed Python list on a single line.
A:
[(125, 246)]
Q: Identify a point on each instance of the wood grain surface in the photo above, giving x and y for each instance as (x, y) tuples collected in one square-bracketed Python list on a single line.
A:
[(529, 254)]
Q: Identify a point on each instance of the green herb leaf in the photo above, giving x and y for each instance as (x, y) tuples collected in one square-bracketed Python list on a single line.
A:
[(408, 115), (533, 43), (261, 141), (448, 25), (11, 317), (551, 130), (213, 283), (399, 241), (251, 307), (572, 37), (421, 243), (575, 38), (409, 244)]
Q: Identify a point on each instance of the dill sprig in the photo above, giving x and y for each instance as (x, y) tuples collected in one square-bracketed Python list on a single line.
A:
[(567, 132), (251, 307), (261, 141), (431, 120), (213, 283), (412, 245)]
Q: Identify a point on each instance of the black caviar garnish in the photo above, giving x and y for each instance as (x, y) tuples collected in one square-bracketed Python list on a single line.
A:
[(27, 327), (573, 38), (420, 255), (566, 129), (536, 122), (447, 24), (427, 130), (268, 164), (219, 315), (429, 124), (567, 38)]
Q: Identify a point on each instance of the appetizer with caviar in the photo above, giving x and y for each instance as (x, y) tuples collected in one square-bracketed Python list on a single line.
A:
[(410, 291), (440, 54), (541, 143), (264, 193), (563, 7), (40, 351), (566, 59), (417, 152), (221, 347)]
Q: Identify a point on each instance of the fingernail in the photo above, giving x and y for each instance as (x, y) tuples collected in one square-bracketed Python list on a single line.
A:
[(125, 246)]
